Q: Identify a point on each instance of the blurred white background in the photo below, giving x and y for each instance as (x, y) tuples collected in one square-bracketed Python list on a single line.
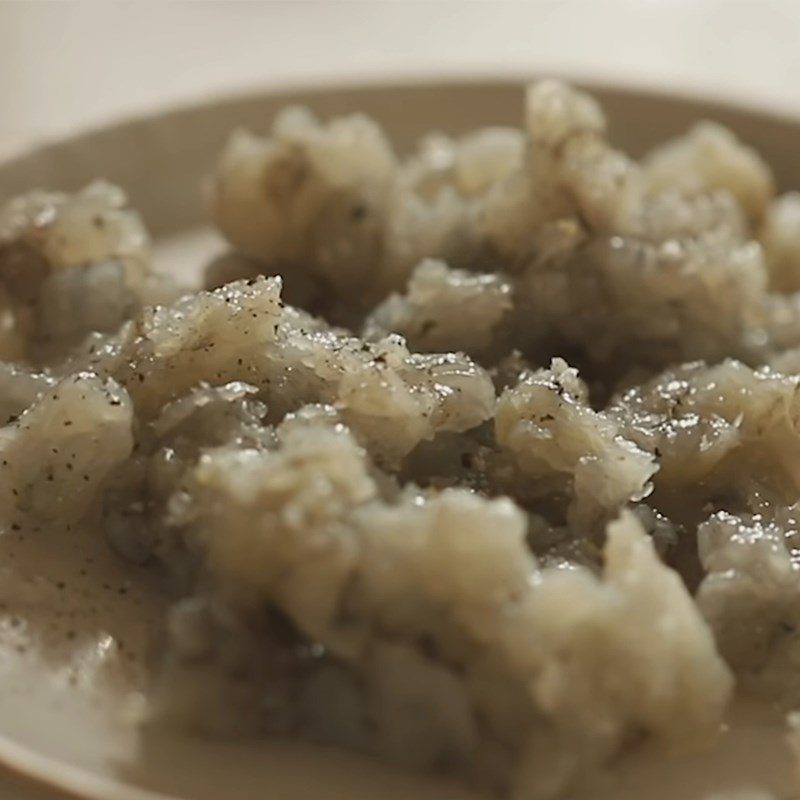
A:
[(67, 64)]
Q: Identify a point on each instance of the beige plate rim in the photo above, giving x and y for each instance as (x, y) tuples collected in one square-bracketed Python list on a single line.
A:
[(723, 100)]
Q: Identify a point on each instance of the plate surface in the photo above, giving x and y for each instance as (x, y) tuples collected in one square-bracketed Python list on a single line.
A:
[(76, 625)]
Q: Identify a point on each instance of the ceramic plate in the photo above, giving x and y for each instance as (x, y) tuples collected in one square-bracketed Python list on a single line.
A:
[(76, 625)]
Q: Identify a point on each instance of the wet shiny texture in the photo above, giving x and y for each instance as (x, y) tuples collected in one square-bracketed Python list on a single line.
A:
[(480, 461)]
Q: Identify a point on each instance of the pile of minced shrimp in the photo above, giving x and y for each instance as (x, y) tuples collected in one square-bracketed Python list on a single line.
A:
[(483, 461)]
